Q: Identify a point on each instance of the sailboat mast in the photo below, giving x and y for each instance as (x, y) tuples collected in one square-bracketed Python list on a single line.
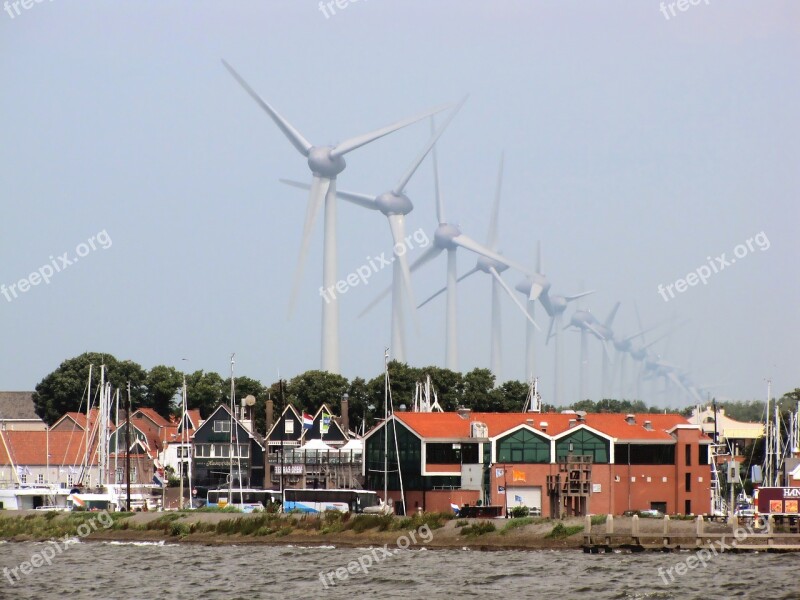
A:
[(230, 449), (128, 451), (183, 438), (385, 425), (84, 475)]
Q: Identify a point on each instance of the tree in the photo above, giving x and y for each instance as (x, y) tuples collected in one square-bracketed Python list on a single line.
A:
[(205, 391), (310, 390), (64, 390), (512, 396), (163, 384), (479, 393)]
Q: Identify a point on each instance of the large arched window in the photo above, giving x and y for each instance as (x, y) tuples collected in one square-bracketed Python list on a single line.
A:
[(523, 446), (583, 442)]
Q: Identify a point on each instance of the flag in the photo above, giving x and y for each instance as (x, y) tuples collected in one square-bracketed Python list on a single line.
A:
[(518, 475), (158, 480), (454, 507), (517, 498), (23, 470), (308, 421), (326, 423)]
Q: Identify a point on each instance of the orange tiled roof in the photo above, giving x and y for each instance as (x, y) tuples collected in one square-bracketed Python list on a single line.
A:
[(31, 447), (452, 425)]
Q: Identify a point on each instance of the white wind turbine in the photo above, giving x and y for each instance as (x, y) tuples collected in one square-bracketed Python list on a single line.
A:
[(494, 268), (448, 237), (395, 205), (325, 163)]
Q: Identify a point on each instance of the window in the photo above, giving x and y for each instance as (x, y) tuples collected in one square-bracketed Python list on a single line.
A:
[(134, 474), (688, 452), (288, 426), (244, 450), (523, 446), (687, 507), (70, 481), (583, 442), (688, 482), (451, 454), (40, 478), (644, 454), (222, 426), (23, 478), (120, 473), (222, 450), (202, 450), (703, 460), (659, 506)]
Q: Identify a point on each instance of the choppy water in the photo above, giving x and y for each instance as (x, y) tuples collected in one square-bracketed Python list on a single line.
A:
[(110, 571)]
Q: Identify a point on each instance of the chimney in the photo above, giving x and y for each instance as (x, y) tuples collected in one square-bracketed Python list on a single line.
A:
[(581, 416), (270, 414), (543, 426), (648, 425), (463, 412), (345, 420), (630, 419), (572, 423)]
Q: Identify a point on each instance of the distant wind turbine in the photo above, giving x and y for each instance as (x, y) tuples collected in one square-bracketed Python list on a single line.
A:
[(325, 163)]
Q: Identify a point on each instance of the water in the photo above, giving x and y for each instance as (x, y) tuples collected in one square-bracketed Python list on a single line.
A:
[(131, 571)]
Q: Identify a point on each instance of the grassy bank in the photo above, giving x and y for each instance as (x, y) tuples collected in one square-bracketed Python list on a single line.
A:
[(441, 530)]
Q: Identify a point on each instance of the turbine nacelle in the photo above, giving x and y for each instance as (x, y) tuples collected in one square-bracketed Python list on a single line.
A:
[(324, 163), (558, 304), (534, 279), (444, 235), (622, 345), (487, 264), (390, 203)]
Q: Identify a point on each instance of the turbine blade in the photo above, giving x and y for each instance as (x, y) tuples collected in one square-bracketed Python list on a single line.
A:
[(364, 200), (473, 246), (595, 331), (539, 257), (576, 296), (611, 315), (438, 193), (511, 295), (550, 330), (316, 198), (491, 239), (444, 289), (398, 189), (536, 290), (361, 140), (427, 256), (298, 141), (397, 225)]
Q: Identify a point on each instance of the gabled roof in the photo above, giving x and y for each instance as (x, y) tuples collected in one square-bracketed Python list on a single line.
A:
[(446, 425), (151, 415), (29, 448), (17, 406), (280, 419), (222, 407)]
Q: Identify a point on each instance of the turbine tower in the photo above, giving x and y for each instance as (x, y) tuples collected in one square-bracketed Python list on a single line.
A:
[(449, 237), (586, 323), (395, 205), (494, 268), (325, 163), (535, 287)]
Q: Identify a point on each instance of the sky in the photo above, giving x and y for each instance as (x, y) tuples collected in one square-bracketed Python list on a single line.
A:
[(639, 146)]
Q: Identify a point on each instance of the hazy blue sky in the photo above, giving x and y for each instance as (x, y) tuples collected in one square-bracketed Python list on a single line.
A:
[(636, 146)]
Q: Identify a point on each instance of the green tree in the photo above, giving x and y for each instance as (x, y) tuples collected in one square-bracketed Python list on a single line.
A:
[(205, 391), (310, 390), (64, 390), (163, 384), (478, 391), (512, 396)]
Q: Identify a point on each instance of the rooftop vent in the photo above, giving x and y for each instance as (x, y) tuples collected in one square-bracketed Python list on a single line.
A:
[(529, 421), (567, 412), (581, 416), (572, 423), (648, 425), (478, 430), (630, 419), (543, 426), (463, 412)]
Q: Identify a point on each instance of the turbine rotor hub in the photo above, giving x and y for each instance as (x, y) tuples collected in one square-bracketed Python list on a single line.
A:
[(323, 164), (390, 203), (485, 264), (444, 234)]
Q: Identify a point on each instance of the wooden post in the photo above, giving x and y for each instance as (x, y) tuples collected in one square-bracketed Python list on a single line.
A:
[(699, 531), (771, 531), (635, 528), (587, 527), (666, 530), (609, 529)]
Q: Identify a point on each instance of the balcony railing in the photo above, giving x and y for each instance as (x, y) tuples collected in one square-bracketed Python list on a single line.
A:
[(315, 457)]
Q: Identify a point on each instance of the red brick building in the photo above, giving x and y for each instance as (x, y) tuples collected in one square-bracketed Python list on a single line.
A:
[(634, 462)]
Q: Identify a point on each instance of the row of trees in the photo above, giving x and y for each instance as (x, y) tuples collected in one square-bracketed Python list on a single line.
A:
[(64, 390)]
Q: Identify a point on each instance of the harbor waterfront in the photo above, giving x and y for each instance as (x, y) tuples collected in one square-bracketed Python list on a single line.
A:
[(293, 571)]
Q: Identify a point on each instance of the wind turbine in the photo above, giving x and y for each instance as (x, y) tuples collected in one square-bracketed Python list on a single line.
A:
[(395, 205), (325, 163), (494, 268), (448, 236), (586, 323), (534, 286), (608, 336)]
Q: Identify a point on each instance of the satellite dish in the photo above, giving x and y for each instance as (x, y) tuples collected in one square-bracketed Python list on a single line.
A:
[(249, 400)]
